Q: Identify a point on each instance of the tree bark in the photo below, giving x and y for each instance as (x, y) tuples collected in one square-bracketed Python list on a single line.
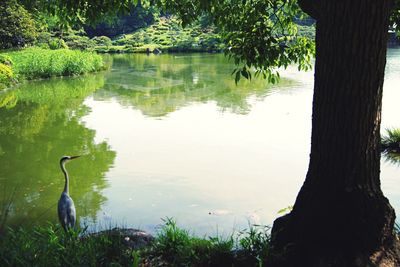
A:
[(341, 217)]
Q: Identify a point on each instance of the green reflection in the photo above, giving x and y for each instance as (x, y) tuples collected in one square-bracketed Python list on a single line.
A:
[(159, 85), (40, 122)]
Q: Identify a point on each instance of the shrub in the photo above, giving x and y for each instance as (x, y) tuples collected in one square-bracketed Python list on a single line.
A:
[(56, 43), (17, 26), (102, 41), (79, 42), (6, 75), (6, 60), (43, 38)]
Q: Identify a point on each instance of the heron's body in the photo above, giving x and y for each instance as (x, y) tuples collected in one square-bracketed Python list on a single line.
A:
[(66, 207), (66, 211)]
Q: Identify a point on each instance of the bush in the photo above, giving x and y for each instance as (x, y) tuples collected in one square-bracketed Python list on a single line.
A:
[(43, 38), (17, 26), (102, 41), (56, 43), (6, 75), (79, 42), (6, 72), (6, 60)]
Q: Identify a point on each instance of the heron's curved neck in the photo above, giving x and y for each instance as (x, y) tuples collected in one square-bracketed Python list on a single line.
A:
[(66, 186)]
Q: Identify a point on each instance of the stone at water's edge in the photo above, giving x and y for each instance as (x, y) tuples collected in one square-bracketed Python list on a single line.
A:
[(133, 238)]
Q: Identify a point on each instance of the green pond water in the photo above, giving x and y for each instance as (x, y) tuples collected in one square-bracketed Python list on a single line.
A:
[(165, 136)]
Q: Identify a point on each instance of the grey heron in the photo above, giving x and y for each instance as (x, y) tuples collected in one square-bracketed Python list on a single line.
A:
[(66, 207)]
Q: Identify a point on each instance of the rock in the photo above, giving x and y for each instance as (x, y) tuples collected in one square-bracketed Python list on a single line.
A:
[(132, 238), (157, 51)]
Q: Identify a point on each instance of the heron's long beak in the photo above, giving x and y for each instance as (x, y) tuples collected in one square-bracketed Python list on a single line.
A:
[(74, 157)]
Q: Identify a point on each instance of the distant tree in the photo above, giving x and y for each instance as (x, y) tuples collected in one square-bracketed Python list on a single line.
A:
[(17, 27), (138, 17)]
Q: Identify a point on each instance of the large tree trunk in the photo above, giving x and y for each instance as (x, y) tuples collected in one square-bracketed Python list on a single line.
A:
[(341, 217)]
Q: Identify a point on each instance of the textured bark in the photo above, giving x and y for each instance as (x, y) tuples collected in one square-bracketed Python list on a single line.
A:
[(341, 217), (311, 7)]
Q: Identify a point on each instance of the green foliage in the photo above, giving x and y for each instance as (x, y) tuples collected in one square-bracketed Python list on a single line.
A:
[(76, 41), (391, 141), (6, 60), (17, 26), (390, 145), (41, 63), (138, 17), (102, 41), (258, 34), (167, 34), (74, 13), (176, 247), (50, 246), (6, 75), (254, 243), (57, 43)]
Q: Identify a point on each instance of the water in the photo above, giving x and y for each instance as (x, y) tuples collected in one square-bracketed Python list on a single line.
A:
[(165, 136)]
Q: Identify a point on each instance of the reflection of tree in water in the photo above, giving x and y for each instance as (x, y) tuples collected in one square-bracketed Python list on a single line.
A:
[(158, 85), (40, 122)]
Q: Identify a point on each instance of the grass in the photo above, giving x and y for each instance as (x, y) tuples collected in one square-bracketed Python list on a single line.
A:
[(173, 246), (34, 63), (50, 246)]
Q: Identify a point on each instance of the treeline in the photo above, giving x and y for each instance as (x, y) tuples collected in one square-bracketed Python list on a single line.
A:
[(140, 30)]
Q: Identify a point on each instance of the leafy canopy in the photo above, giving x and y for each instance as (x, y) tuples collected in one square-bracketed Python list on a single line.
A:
[(259, 34)]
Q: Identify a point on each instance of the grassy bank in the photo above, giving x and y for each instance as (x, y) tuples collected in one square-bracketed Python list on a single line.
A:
[(36, 63), (172, 246)]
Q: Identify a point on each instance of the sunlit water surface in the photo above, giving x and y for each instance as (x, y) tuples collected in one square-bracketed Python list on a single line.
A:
[(166, 136)]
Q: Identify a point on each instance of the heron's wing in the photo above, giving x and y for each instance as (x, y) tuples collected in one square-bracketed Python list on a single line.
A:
[(71, 213), (66, 211)]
